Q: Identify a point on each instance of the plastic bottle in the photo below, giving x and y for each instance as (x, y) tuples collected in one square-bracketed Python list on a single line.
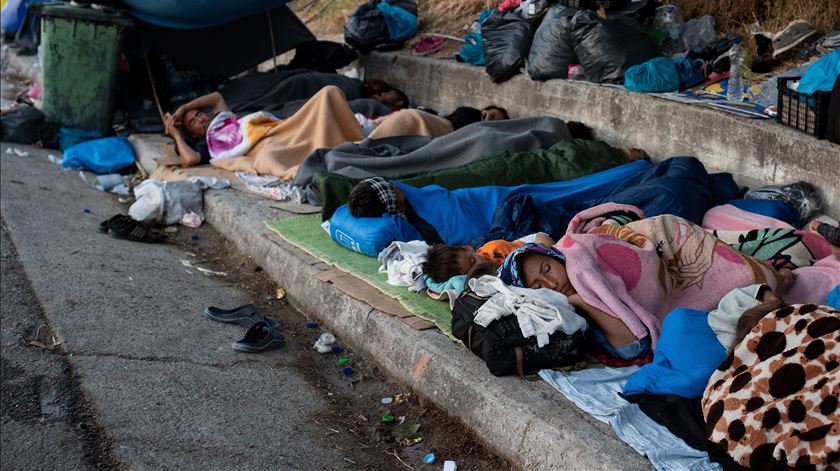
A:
[(735, 90), (699, 33)]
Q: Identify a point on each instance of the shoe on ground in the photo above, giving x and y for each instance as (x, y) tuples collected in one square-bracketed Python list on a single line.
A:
[(794, 34), (246, 316), (260, 337)]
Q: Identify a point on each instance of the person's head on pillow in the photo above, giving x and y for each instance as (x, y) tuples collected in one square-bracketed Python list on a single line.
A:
[(536, 266), (494, 113), (374, 197), (384, 93)]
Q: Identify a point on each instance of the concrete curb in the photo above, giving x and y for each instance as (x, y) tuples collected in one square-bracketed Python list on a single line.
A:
[(754, 151)]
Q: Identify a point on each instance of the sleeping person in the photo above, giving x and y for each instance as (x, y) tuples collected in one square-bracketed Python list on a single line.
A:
[(262, 143), (626, 279), (470, 216)]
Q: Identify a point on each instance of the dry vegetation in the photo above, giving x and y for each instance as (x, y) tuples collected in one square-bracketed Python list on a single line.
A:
[(327, 17)]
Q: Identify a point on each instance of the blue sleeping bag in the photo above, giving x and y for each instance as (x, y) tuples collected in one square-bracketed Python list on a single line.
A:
[(461, 215), (679, 186), (687, 354)]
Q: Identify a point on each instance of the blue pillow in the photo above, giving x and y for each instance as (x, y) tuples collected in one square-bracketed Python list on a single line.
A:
[(369, 236)]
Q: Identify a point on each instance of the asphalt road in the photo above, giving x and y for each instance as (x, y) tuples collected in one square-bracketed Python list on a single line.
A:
[(107, 360)]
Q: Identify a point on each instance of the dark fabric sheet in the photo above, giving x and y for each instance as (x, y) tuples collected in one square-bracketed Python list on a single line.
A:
[(684, 418), (679, 186), (564, 160), (224, 50), (411, 154), (283, 93)]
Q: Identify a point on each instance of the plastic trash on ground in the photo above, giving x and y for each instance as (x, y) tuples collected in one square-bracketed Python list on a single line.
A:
[(699, 33), (449, 466), (166, 203), (552, 50), (507, 40), (324, 343)]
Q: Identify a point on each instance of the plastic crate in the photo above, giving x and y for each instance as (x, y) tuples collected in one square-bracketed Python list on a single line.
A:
[(807, 113)]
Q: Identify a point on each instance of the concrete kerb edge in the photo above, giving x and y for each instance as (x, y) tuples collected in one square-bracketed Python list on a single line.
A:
[(507, 413)]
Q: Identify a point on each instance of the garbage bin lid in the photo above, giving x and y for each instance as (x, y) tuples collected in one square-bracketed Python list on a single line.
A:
[(63, 10)]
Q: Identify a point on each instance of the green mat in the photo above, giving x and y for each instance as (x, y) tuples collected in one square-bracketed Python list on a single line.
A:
[(306, 232)]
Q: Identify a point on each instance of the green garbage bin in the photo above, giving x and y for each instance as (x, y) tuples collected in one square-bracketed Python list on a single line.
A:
[(81, 48)]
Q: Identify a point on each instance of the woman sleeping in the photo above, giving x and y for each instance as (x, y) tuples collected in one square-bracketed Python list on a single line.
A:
[(262, 143), (626, 279)]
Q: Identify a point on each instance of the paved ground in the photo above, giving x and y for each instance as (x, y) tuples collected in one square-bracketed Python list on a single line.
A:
[(141, 379)]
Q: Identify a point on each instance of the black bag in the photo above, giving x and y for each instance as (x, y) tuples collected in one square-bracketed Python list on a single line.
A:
[(366, 29), (323, 56), (553, 48), (507, 39), (21, 125), (606, 48), (502, 346)]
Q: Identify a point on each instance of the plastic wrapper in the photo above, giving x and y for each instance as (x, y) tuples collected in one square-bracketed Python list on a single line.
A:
[(507, 41), (167, 203), (553, 50), (801, 196)]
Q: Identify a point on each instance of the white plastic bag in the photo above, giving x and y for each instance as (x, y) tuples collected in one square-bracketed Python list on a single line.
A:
[(160, 202)]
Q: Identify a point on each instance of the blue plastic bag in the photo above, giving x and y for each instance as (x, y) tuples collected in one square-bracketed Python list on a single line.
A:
[(690, 71), (821, 75), (472, 52), (656, 75), (402, 24), (100, 156)]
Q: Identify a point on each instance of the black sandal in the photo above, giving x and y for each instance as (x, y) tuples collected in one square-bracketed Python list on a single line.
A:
[(136, 231)]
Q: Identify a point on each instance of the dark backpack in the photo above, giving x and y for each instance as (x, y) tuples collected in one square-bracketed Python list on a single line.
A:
[(502, 346), (366, 29)]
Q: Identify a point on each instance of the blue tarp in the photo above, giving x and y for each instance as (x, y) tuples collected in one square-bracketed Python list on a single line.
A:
[(195, 14)]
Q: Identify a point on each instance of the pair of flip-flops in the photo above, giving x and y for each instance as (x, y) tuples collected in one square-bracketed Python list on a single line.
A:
[(263, 334), (124, 227)]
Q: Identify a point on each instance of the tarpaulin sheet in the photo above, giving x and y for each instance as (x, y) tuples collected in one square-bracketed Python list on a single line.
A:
[(194, 14)]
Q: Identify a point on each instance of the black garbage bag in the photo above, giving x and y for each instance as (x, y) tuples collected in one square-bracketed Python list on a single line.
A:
[(507, 40), (21, 125), (553, 48), (607, 47), (323, 56), (366, 29)]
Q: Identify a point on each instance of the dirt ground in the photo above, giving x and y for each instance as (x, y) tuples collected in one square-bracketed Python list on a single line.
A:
[(356, 402)]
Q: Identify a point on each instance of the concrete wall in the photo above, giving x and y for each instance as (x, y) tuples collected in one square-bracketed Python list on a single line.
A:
[(755, 151)]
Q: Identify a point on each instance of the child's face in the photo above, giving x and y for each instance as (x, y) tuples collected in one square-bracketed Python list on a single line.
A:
[(467, 259)]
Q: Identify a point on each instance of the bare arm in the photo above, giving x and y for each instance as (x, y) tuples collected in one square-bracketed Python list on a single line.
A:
[(189, 157), (213, 100), (615, 329)]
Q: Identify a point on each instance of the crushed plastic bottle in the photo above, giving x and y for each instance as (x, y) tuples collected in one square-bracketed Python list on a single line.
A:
[(735, 89), (449, 466), (669, 19)]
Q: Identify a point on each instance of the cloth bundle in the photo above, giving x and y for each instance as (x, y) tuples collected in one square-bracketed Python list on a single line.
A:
[(403, 261)]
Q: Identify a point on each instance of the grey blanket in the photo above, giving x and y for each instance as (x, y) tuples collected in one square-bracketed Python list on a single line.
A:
[(410, 154)]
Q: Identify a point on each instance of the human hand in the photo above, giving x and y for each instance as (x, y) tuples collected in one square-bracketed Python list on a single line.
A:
[(171, 125)]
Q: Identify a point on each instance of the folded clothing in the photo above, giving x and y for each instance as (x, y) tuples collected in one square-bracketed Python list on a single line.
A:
[(403, 261)]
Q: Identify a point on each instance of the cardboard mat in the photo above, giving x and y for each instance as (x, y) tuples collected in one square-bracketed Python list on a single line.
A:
[(416, 309)]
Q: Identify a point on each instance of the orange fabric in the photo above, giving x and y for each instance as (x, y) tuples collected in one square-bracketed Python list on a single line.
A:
[(497, 250), (411, 123), (324, 121)]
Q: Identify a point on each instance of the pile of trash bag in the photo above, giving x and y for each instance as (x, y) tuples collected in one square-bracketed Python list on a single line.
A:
[(604, 47), (381, 25), (507, 40)]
